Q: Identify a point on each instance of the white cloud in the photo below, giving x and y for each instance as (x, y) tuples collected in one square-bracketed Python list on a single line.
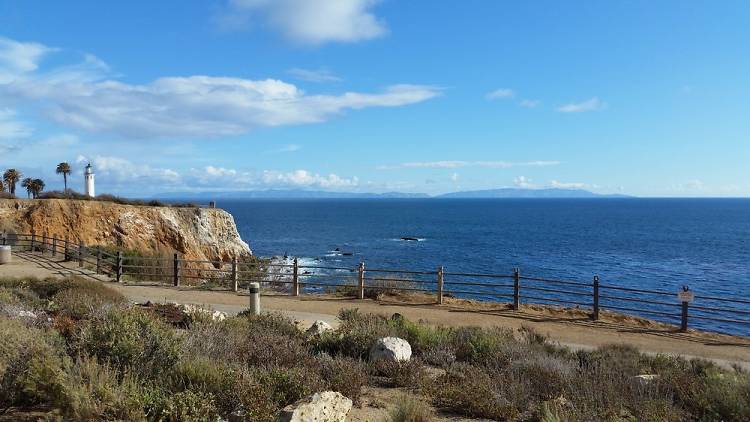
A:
[(454, 177), (500, 93), (118, 170), (320, 75), (592, 104), (309, 21), (17, 58), (563, 185), (82, 96), (306, 179), (530, 103), (523, 182), (461, 164)]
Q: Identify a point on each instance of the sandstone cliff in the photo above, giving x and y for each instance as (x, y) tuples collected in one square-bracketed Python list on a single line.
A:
[(196, 233)]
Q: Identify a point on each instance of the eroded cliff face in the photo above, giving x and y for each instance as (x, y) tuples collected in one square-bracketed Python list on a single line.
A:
[(195, 233)]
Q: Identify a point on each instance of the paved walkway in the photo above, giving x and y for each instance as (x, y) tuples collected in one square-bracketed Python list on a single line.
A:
[(574, 332)]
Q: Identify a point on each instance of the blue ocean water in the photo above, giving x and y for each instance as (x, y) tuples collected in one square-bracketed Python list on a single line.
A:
[(659, 244)]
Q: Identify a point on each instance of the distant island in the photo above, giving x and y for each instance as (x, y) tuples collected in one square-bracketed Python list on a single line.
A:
[(317, 194)]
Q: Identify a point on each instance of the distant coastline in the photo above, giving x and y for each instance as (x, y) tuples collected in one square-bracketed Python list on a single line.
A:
[(509, 193)]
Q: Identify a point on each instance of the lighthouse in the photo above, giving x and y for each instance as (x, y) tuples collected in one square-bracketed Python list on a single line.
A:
[(88, 176)]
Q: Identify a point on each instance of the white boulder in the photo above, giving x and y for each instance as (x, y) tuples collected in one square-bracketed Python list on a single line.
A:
[(328, 406), (319, 327), (390, 348)]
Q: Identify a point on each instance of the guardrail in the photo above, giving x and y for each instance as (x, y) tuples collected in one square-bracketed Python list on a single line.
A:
[(705, 311)]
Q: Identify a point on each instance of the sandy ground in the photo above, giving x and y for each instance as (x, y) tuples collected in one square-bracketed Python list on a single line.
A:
[(572, 328)]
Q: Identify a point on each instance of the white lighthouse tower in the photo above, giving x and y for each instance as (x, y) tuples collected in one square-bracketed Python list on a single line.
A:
[(88, 176)]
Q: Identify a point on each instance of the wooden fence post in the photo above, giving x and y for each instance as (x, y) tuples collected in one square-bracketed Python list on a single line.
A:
[(44, 244), (54, 245), (684, 313), (295, 278), (595, 314), (516, 288), (98, 261), (234, 274), (440, 285), (361, 280), (176, 270), (5, 238), (80, 253), (118, 269), (67, 249), (33, 240)]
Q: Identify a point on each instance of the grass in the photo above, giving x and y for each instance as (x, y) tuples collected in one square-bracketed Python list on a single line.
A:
[(89, 355)]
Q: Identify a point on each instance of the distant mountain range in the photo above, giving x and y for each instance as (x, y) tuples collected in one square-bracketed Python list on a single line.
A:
[(311, 194)]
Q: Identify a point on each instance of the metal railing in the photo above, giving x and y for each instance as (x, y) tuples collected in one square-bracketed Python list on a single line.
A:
[(702, 310)]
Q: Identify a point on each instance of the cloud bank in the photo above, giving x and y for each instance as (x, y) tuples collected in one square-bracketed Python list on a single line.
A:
[(85, 96)]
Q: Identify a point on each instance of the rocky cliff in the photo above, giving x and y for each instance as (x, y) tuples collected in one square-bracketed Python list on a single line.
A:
[(196, 233)]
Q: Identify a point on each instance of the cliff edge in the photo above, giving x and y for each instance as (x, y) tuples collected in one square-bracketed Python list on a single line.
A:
[(195, 233)]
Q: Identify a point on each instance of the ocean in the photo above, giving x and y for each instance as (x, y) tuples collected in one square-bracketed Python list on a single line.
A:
[(659, 244)]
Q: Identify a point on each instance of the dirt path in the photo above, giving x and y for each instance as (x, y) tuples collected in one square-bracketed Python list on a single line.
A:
[(573, 329)]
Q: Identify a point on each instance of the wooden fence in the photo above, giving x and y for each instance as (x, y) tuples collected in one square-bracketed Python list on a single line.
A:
[(705, 311)]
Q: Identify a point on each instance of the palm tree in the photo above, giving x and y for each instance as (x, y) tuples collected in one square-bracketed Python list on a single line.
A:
[(11, 176), (28, 184), (37, 187), (2, 186), (64, 169)]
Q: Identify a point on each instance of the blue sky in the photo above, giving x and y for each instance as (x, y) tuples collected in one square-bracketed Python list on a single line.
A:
[(640, 97)]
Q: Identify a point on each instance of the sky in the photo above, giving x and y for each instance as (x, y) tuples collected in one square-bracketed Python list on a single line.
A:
[(647, 98)]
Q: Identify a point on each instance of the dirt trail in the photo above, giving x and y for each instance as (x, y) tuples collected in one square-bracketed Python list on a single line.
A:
[(570, 328)]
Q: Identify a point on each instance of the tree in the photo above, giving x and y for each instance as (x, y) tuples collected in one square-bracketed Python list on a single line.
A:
[(28, 184), (11, 176), (37, 186), (64, 169), (2, 186)]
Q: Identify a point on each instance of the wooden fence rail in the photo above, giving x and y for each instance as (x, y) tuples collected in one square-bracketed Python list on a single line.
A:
[(724, 314)]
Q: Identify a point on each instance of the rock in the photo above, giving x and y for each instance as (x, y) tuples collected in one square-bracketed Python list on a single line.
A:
[(390, 348), (645, 379), (239, 415), (318, 327), (328, 406), (196, 233)]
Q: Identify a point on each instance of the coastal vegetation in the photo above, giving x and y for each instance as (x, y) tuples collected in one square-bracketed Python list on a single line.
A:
[(64, 169), (76, 349)]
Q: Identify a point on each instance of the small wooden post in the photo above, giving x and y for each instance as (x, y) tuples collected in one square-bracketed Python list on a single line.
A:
[(176, 271), (440, 285), (5, 238), (67, 249), (295, 278), (33, 240), (234, 274), (80, 253), (684, 313), (118, 269), (44, 244), (516, 288), (595, 315), (361, 280), (98, 261), (54, 245)]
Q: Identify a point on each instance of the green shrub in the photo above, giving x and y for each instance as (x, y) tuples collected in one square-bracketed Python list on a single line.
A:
[(410, 374), (31, 364), (130, 340), (208, 377), (94, 392), (345, 375), (85, 302), (189, 406), (470, 391), (411, 409)]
